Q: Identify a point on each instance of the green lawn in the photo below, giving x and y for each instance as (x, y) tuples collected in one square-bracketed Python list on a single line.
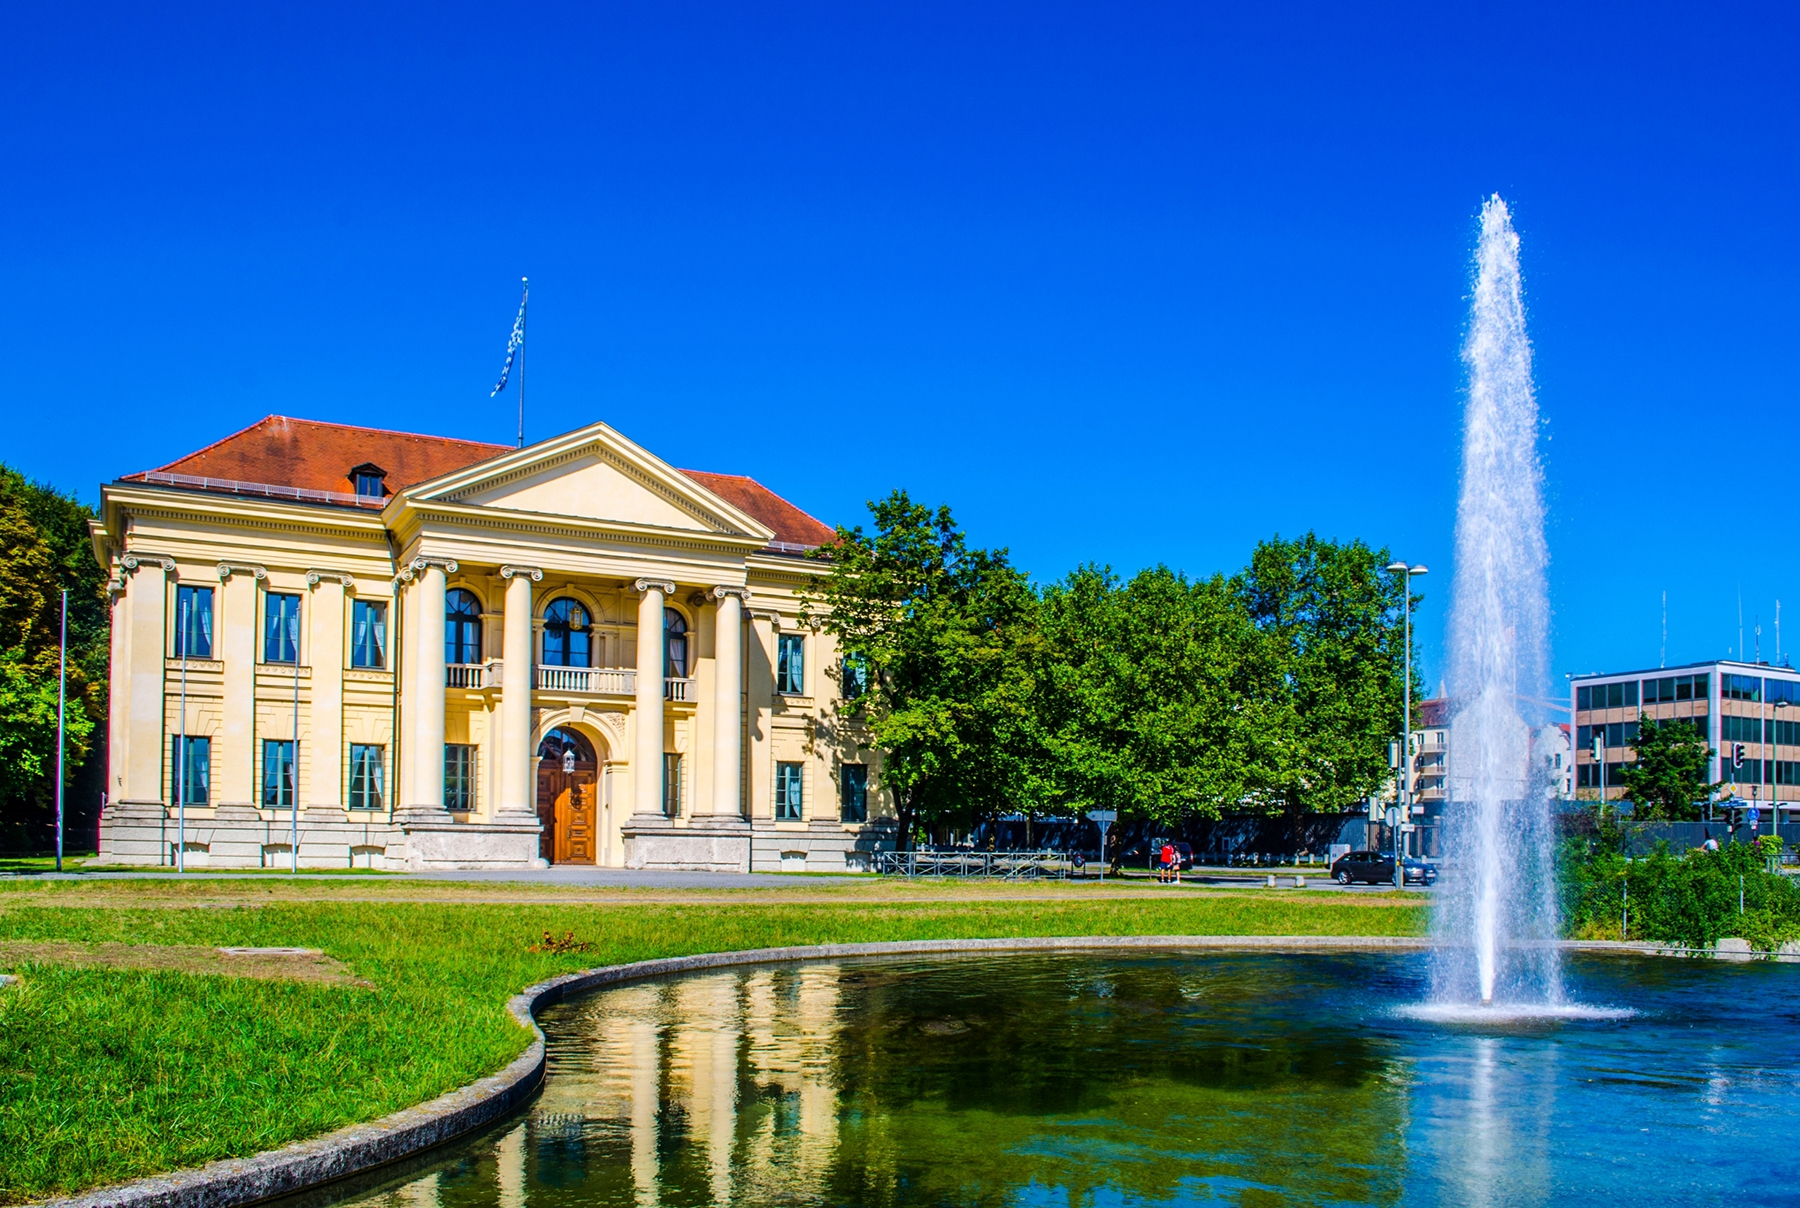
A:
[(108, 1073)]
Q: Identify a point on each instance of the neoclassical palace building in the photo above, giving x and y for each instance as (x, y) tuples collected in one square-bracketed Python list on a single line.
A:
[(354, 647)]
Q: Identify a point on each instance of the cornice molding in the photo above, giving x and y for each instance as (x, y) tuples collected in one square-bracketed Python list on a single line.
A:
[(536, 574)]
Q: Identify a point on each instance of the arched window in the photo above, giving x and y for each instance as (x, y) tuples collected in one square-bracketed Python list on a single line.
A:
[(462, 627), (566, 637), (675, 644), (561, 741)]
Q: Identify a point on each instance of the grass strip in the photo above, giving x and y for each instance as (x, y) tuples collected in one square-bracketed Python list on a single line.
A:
[(109, 1074)]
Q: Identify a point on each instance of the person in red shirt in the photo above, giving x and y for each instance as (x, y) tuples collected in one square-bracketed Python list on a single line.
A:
[(1168, 863)]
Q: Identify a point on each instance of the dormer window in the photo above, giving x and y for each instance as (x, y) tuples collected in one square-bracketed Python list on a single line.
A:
[(367, 478)]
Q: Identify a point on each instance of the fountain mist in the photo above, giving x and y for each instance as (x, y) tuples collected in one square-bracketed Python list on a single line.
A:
[(1497, 917)]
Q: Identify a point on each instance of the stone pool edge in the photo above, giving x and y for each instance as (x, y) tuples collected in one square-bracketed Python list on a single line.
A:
[(360, 1148)]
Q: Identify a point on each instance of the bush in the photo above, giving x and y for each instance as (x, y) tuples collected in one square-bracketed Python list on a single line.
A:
[(1691, 899)]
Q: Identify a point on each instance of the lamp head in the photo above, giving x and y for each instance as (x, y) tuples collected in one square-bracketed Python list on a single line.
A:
[(1398, 566), (1421, 569)]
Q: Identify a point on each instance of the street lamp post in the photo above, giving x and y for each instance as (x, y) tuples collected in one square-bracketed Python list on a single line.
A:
[(1402, 568)]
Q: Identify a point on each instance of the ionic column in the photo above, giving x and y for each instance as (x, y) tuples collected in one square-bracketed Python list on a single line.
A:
[(515, 767), (147, 597), (427, 792), (646, 771), (728, 702)]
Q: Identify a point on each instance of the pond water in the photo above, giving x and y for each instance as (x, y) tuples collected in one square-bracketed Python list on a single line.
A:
[(1068, 1080)]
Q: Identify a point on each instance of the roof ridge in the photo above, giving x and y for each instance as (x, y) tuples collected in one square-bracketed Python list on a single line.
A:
[(758, 484), (317, 423)]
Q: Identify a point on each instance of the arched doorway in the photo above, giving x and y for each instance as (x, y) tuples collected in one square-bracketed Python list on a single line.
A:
[(568, 797)]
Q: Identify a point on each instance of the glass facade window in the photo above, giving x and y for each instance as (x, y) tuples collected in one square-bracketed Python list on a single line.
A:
[(675, 644), (278, 773), (189, 776), (789, 795), (366, 777), (790, 665), (1751, 771), (1617, 734), (281, 628), (1740, 729), (855, 789), (566, 637), (1781, 690), (671, 785), (1587, 775), (459, 776), (1787, 771), (193, 622), (368, 634), (1787, 733), (462, 627), (1740, 687)]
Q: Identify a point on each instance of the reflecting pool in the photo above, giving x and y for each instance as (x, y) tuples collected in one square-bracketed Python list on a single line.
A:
[(1149, 1078)]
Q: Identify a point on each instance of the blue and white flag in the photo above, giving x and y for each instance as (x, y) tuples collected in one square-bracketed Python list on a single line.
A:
[(515, 342)]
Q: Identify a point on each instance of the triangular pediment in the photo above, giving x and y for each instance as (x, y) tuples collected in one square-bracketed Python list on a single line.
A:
[(592, 474)]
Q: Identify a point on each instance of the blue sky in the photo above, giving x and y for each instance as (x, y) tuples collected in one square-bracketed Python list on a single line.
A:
[(1125, 284)]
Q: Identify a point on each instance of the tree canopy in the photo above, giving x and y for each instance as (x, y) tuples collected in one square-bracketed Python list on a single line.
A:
[(1277, 689), (1668, 780), (44, 549)]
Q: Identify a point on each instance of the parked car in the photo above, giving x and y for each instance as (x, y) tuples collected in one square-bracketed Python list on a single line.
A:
[(1371, 866), (1420, 872)]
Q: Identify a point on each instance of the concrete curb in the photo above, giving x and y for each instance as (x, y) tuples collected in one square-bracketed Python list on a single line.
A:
[(363, 1147)]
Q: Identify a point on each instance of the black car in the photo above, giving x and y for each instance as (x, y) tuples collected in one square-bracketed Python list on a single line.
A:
[(1377, 868), (1372, 866), (1418, 872)]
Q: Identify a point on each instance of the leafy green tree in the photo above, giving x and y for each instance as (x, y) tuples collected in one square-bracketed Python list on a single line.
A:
[(1668, 781), (1328, 692), (947, 641), (43, 549), (1147, 703)]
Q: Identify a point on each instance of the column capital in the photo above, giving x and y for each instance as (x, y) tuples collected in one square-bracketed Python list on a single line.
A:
[(314, 576), (132, 561), (227, 569), (421, 562), (663, 585), (534, 573), (742, 593)]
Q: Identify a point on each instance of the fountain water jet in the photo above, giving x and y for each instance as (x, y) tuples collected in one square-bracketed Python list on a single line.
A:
[(1496, 920)]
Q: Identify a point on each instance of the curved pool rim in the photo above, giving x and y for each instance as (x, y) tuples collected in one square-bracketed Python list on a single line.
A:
[(362, 1148)]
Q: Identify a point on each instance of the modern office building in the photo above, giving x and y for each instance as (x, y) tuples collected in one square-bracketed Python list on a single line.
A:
[(1749, 713), (401, 651)]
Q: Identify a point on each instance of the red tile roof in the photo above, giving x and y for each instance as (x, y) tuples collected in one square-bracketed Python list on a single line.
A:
[(790, 525), (308, 456), (313, 456)]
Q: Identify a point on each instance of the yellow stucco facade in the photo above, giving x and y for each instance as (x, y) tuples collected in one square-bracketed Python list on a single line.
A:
[(430, 670)]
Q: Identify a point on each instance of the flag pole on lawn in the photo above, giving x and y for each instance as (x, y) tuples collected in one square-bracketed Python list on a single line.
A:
[(515, 350), (62, 685)]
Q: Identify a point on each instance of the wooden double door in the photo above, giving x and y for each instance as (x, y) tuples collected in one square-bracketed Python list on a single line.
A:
[(568, 806)]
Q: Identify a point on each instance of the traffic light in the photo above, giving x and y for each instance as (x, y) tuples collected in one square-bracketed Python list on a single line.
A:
[(1737, 754)]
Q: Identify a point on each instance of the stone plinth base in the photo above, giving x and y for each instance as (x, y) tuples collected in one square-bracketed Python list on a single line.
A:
[(511, 841), (716, 843), (823, 846), (241, 836)]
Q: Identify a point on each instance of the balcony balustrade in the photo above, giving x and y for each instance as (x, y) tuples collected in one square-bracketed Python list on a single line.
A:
[(678, 689), (604, 681), (473, 675)]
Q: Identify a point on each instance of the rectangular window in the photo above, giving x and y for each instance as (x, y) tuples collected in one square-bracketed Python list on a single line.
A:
[(856, 676), (1584, 735), (368, 634), (1583, 698), (193, 622), (1615, 696), (1701, 688), (790, 665), (369, 486), (459, 776), (788, 799), (188, 777), (365, 777), (671, 785), (281, 628), (1684, 687), (856, 792), (278, 773)]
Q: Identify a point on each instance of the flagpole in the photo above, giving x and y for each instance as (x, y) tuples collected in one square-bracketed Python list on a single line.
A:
[(524, 298), (62, 682)]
